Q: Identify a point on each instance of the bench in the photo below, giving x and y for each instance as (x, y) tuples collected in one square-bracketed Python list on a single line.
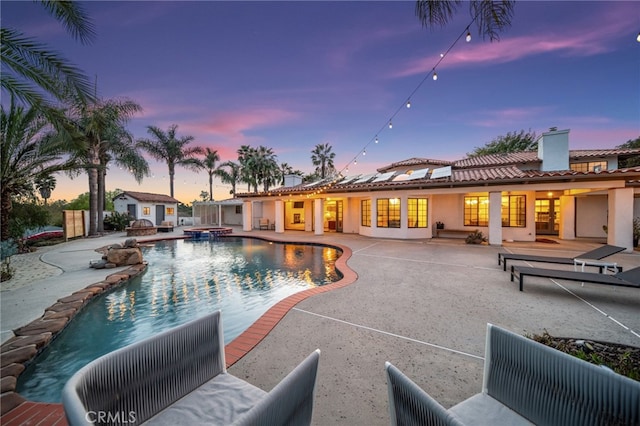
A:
[(179, 377), (524, 382), (451, 232), (165, 226)]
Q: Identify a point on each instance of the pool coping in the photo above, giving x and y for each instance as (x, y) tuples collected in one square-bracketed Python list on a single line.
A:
[(32, 338)]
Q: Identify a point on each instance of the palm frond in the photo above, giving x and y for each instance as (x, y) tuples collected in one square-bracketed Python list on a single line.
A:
[(73, 17)]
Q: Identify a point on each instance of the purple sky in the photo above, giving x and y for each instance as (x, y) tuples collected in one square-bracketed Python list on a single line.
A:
[(291, 75)]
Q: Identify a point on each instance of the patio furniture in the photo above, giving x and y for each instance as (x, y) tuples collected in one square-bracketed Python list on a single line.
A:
[(596, 254), (166, 226), (179, 377), (525, 382), (263, 223), (630, 278)]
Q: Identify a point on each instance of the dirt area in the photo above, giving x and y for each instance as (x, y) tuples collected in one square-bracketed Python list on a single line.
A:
[(622, 359)]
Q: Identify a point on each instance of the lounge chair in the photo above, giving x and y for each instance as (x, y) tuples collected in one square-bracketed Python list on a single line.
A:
[(179, 377), (597, 254), (524, 383), (630, 278), (263, 224)]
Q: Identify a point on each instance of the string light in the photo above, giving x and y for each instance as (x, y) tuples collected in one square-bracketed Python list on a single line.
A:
[(638, 38), (407, 104)]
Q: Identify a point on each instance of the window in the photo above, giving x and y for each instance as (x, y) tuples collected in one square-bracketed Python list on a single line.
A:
[(514, 211), (298, 204), (476, 211), (365, 213), (239, 209), (170, 211), (591, 166), (388, 213), (417, 212), (146, 211)]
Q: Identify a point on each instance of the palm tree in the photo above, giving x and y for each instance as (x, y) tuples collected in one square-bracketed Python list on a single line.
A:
[(231, 176), (322, 158), (245, 157), (99, 129), (27, 152), (31, 72), (45, 184), (165, 146), (491, 16), (209, 162), (285, 169)]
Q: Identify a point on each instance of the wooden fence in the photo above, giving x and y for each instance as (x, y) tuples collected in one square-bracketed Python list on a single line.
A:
[(73, 223)]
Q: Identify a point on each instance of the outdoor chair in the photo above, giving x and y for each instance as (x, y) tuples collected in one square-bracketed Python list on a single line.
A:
[(596, 254), (263, 224), (179, 377), (524, 383), (630, 278)]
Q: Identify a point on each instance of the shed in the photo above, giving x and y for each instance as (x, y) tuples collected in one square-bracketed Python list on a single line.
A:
[(157, 208)]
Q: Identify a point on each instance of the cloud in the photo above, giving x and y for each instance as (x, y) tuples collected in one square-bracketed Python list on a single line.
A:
[(575, 38), (509, 116)]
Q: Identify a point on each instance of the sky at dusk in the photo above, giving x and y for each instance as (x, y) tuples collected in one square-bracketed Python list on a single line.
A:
[(291, 75)]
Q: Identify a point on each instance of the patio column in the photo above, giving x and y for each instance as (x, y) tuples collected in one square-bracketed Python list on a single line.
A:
[(247, 214), (279, 217), (318, 219), (495, 218), (620, 223), (567, 217)]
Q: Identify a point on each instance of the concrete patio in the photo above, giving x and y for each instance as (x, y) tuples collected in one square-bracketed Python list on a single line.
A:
[(422, 305)]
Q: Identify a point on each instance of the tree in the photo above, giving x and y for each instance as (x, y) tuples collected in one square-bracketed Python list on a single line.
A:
[(632, 160), (511, 142), (167, 147), (32, 73), (45, 184), (209, 162), (491, 17), (322, 158), (98, 130), (229, 172), (245, 156), (285, 169), (27, 152), (204, 196)]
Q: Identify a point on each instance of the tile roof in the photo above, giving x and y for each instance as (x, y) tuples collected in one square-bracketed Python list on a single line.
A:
[(149, 197), (498, 159), (411, 162)]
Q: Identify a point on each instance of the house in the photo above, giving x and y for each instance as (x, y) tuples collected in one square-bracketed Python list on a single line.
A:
[(509, 197), (219, 213), (157, 208)]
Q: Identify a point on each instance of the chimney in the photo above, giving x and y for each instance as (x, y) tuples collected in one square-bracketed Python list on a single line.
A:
[(553, 150), (292, 180)]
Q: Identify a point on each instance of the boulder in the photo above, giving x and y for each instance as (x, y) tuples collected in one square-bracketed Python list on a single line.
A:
[(125, 256)]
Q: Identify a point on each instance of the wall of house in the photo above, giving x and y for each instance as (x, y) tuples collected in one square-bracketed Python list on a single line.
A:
[(230, 217), (591, 215)]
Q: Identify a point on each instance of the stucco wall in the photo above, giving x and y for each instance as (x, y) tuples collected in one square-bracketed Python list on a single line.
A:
[(591, 215)]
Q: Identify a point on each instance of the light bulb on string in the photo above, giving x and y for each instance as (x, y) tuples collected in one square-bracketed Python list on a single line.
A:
[(468, 38), (408, 103), (390, 124), (435, 76), (638, 38), (376, 139), (355, 162), (364, 152)]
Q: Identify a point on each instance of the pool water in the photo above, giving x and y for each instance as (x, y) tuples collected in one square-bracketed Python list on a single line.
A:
[(184, 280)]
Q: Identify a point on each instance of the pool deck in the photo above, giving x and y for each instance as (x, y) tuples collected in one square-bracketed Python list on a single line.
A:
[(421, 304)]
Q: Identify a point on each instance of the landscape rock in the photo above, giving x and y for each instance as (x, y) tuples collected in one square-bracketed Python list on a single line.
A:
[(125, 256)]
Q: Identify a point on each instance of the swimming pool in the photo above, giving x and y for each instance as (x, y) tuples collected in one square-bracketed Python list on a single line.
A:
[(185, 279)]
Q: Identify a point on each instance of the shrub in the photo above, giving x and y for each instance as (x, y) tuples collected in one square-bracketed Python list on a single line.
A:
[(476, 237), (116, 221), (7, 249)]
